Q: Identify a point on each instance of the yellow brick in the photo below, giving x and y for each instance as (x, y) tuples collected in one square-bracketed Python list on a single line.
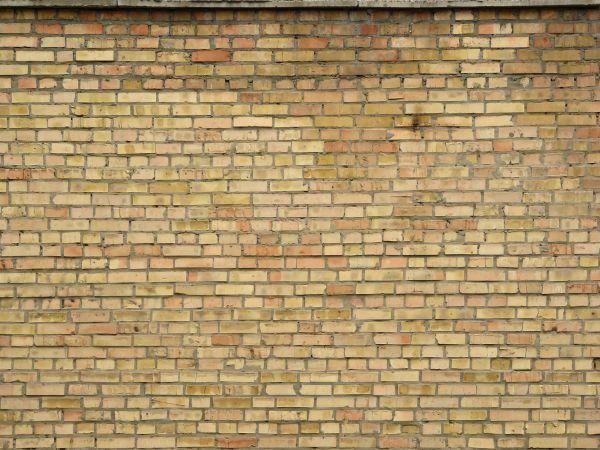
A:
[(504, 108), (480, 67), (308, 146), (136, 149), (136, 97), (463, 54), (94, 55), (96, 97), (561, 55), (13, 69), (231, 199), (275, 43), (137, 55), (28, 55), (191, 110)]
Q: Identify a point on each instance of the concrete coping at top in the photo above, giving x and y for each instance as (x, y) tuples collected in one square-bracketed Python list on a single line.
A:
[(292, 3)]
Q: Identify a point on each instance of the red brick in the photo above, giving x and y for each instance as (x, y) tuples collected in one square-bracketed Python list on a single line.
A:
[(211, 56), (398, 442), (237, 442), (313, 42)]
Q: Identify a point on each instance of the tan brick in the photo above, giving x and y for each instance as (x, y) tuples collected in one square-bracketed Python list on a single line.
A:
[(29, 55), (510, 42), (94, 55)]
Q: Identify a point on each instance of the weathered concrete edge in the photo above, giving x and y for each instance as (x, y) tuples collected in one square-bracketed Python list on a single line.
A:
[(292, 3)]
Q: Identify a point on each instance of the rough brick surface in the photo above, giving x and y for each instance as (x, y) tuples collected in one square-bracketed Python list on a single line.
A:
[(299, 229)]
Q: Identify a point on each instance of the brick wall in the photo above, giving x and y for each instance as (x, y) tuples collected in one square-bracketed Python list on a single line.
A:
[(313, 229)]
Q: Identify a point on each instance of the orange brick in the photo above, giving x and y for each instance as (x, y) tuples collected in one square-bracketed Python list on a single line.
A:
[(211, 56)]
